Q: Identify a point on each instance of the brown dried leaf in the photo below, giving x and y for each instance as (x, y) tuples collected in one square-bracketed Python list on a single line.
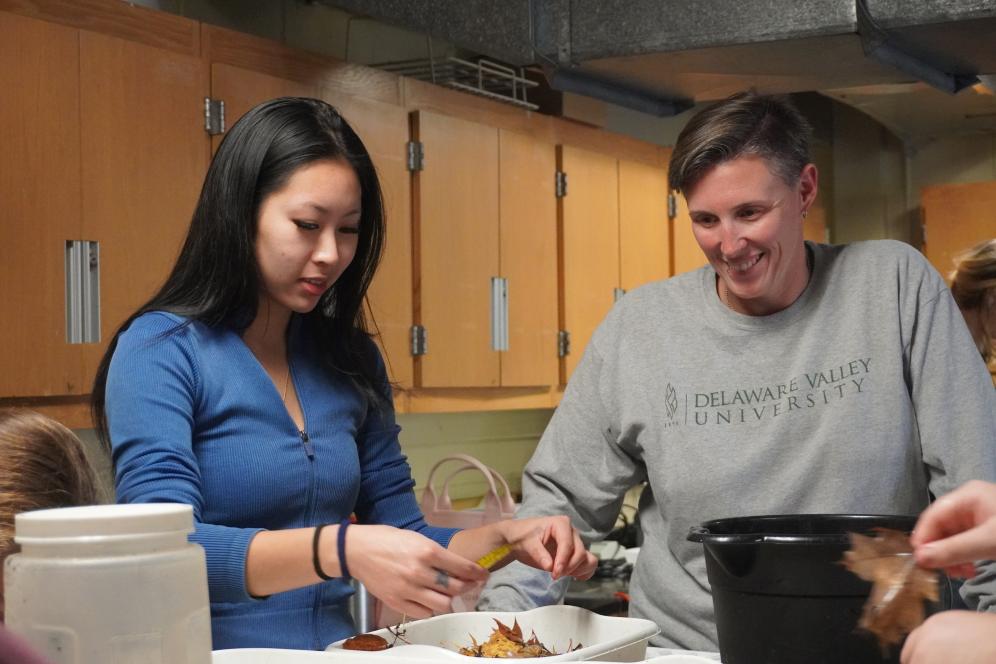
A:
[(513, 634), (899, 587), (507, 642)]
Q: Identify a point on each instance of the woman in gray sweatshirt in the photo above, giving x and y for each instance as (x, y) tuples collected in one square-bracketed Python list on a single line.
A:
[(784, 377)]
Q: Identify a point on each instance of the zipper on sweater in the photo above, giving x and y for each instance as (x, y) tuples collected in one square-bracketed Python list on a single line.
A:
[(308, 449), (309, 518)]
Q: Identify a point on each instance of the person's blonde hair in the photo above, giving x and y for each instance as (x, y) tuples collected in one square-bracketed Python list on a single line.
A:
[(973, 284), (42, 465)]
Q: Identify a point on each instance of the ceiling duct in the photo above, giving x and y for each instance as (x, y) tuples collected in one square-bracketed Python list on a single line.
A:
[(658, 56), (614, 91), (877, 43)]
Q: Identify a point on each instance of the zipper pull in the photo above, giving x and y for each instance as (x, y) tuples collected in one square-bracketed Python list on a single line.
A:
[(309, 450)]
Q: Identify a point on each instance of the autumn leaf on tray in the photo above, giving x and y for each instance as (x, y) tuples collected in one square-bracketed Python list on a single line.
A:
[(508, 642), (899, 586)]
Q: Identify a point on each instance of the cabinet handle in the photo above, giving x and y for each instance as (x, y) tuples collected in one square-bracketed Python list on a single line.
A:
[(90, 291), (617, 294), (499, 313), (82, 292), (495, 313), (74, 305), (504, 314)]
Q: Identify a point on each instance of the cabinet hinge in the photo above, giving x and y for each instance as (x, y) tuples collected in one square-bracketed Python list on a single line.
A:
[(214, 116), (560, 184), (416, 156), (563, 343), (672, 206), (420, 341)]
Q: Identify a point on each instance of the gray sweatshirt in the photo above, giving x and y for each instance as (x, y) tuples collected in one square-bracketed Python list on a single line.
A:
[(866, 395)]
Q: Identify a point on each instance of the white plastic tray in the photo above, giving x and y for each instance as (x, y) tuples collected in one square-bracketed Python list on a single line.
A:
[(277, 656), (273, 656), (604, 638)]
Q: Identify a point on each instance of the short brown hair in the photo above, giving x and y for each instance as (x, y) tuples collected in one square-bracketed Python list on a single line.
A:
[(42, 465), (743, 124), (973, 285)]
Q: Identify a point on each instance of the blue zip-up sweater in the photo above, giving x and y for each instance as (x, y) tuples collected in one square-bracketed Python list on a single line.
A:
[(194, 418)]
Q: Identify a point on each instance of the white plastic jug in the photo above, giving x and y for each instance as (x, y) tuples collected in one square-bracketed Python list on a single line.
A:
[(110, 584)]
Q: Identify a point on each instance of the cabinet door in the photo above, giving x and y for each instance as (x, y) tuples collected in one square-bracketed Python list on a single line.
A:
[(956, 217), (40, 189), (241, 89), (457, 255), (529, 259), (144, 156), (644, 245), (384, 131), (590, 236), (688, 255)]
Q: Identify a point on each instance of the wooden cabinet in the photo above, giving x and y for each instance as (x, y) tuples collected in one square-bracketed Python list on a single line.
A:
[(40, 189), (688, 255), (103, 132), (144, 156), (956, 217), (486, 208), (103, 142), (457, 250), (590, 238), (528, 259), (241, 89), (644, 237), (616, 236), (383, 128)]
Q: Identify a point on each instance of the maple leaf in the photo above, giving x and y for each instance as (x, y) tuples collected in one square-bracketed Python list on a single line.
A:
[(899, 587), (513, 634)]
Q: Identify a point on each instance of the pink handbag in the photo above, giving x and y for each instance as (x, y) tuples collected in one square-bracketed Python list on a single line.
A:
[(496, 505)]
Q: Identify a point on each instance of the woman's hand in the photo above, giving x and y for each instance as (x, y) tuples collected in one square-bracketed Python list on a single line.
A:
[(958, 528), (965, 637), (549, 543), (408, 571)]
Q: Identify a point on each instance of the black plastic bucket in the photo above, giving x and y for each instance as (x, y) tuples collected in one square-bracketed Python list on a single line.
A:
[(780, 592)]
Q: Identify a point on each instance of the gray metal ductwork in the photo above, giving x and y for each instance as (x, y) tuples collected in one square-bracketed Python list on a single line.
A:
[(659, 56)]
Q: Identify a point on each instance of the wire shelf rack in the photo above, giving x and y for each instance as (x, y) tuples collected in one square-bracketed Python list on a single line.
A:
[(483, 77)]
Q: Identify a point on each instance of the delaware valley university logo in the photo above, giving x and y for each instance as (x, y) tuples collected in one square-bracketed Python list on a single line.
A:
[(670, 401), (809, 391)]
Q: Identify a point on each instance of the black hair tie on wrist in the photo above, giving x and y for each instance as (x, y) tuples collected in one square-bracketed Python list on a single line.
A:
[(315, 560), (341, 549)]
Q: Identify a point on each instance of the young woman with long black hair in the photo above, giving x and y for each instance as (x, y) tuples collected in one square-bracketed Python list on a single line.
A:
[(249, 387)]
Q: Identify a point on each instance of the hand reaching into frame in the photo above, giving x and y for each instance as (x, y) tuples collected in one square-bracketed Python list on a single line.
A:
[(965, 637), (957, 529)]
